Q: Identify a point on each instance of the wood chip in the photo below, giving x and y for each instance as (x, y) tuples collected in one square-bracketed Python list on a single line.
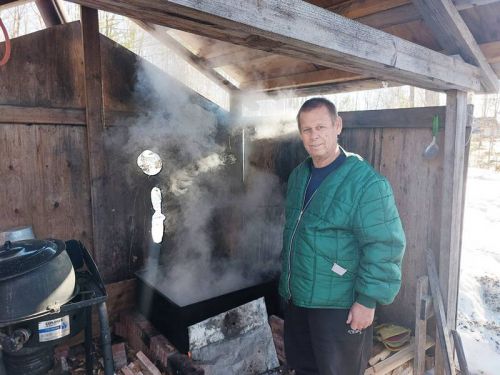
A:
[(127, 371), (119, 355), (147, 366)]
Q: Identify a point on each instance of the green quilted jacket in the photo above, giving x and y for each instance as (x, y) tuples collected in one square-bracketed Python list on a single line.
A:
[(347, 244)]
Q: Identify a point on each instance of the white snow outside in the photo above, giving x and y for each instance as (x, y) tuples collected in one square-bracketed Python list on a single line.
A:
[(479, 294)]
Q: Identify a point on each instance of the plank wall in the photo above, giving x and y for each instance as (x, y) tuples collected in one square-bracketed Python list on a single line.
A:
[(44, 161)]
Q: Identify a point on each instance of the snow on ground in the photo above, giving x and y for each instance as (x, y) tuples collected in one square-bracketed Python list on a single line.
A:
[(479, 295)]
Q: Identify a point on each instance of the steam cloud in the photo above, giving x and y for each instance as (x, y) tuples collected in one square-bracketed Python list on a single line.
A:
[(223, 235)]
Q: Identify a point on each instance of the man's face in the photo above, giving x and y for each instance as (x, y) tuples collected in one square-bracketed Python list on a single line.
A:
[(319, 135)]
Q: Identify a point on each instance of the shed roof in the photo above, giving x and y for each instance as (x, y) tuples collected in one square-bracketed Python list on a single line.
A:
[(271, 45)]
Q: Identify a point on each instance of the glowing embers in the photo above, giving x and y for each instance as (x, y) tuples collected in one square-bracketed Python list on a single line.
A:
[(158, 217), (150, 162)]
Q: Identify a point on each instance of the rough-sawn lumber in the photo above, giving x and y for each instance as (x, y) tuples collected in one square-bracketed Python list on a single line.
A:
[(304, 31), (455, 37)]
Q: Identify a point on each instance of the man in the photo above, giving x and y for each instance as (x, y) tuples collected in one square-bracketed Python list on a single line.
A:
[(343, 245)]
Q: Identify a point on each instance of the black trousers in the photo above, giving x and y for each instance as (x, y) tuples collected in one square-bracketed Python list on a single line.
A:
[(319, 342)]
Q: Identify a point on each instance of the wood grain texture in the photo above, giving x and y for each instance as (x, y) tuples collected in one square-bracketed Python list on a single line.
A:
[(45, 174), (305, 31), (455, 37), (358, 8), (420, 325), (40, 115), (161, 35), (317, 77), (451, 211), (452, 198), (43, 70), (396, 360), (444, 333), (332, 88), (95, 130)]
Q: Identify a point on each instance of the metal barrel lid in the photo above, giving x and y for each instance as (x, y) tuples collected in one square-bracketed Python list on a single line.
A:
[(20, 257)]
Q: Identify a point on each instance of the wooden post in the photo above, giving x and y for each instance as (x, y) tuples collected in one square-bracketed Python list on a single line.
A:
[(451, 211), (94, 118), (423, 303), (443, 333)]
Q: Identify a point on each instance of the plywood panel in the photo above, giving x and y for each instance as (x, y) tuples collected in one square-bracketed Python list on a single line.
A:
[(274, 66), (17, 157), (417, 188), (397, 154), (62, 184), (45, 180), (483, 22), (44, 69), (118, 84)]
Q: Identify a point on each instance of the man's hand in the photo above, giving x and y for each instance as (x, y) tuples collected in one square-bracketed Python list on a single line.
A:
[(360, 317)]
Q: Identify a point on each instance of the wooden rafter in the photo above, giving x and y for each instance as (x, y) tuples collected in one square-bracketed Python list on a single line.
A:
[(163, 37), (491, 51), (339, 87), (356, 8), (318, 77), (235, 57), (51, 11), (5, 2), (455, 37), (407, 13), (306, 32), (452, 206), (94, 110), (466, 4)]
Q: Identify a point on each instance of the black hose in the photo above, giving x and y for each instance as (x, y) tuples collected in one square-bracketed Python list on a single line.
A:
[(2, 366), (89, 345), (106, 340)]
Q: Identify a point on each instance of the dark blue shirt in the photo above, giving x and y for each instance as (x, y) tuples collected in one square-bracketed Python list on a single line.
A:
[(319, 174)]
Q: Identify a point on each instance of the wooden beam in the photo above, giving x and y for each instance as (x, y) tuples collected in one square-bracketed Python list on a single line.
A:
[(467, 4), (318, 77), (400, 118), (332, 88), (451, 207), (392, 118), (422, 302), (381, 14), (51, 11), (397, 359), (452, 197), (444, 333), (395, 16), (95, 127), (491, 51), (455, 37), (306, 32), (358, 8), (11, 2), (10, 114), (168, 41), (245, 54)]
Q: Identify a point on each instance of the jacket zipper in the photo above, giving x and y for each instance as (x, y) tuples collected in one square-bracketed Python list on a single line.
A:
[(304, 206)]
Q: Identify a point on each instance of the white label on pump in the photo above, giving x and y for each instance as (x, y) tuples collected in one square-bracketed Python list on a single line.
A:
[(53, 329)]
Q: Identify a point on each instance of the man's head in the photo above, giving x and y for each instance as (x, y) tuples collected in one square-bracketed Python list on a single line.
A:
[(319, 127)]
